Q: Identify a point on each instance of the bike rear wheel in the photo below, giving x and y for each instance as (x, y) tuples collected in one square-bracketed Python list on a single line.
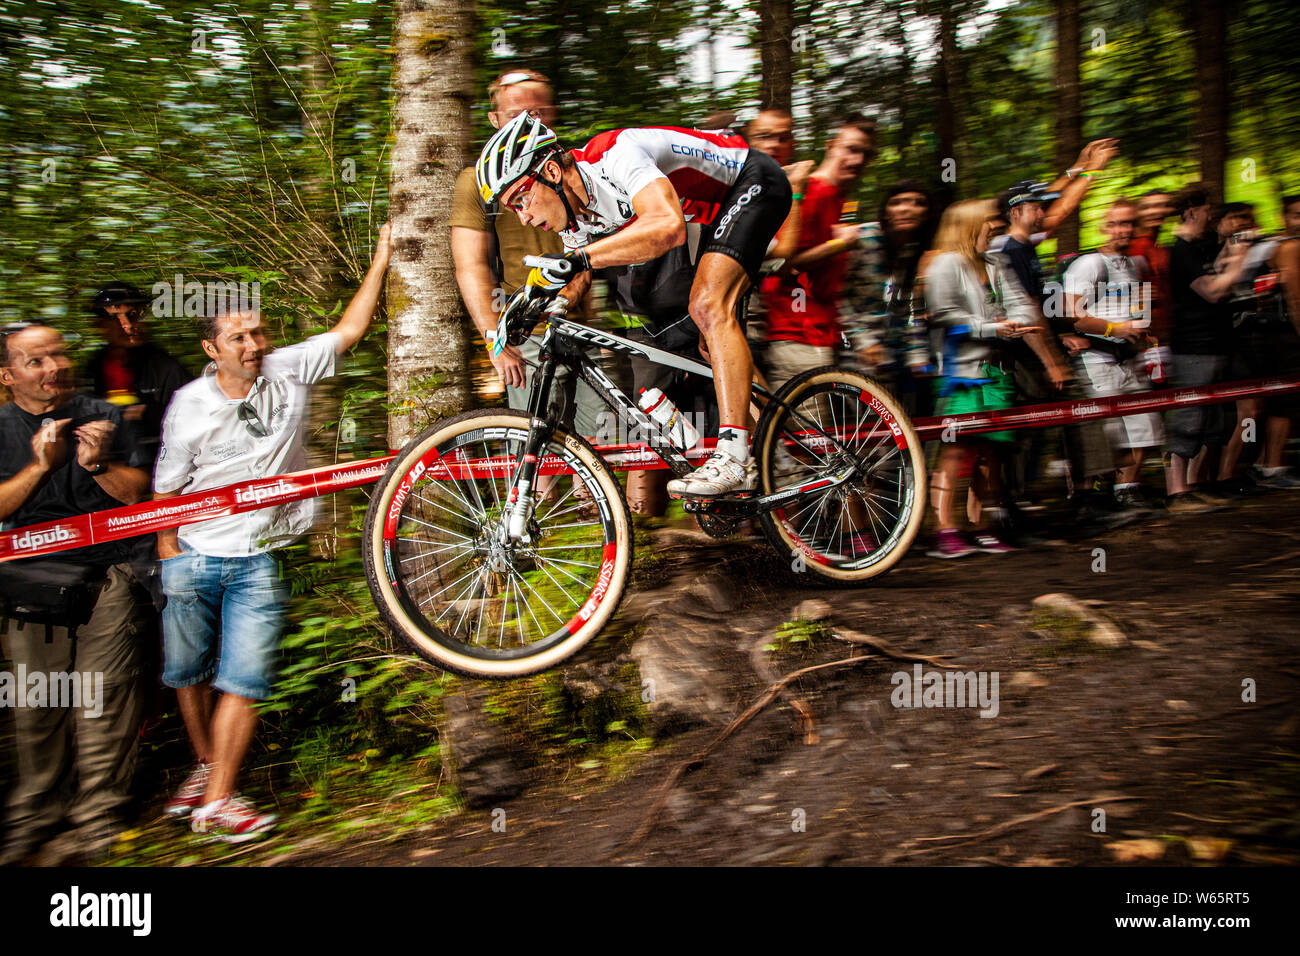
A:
[(855, 530), (444, 580)]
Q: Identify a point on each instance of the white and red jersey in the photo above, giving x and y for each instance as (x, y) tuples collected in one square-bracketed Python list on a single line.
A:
[(701, 165)]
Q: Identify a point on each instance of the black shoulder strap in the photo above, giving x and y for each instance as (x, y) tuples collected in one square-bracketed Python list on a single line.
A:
[(494, 257)]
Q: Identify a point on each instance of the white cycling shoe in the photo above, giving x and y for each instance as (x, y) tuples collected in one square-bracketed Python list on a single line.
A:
[(720, 475)]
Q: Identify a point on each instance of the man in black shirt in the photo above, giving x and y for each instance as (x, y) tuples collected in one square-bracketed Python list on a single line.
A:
[(1087, 451), (130, 371), (63, 455), (1202, 272)]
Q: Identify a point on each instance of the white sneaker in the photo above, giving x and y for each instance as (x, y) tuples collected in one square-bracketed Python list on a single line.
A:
[(720, 475)]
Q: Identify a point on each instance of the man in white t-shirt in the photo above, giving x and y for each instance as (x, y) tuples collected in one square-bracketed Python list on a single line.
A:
[(1108, 296), (243, 419)]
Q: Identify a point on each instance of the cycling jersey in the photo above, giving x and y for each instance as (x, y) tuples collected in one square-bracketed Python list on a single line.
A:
[(700, 165), (716, 176)]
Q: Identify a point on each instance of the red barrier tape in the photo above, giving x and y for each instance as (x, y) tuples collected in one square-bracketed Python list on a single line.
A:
[(150, 516), (1070, 413)]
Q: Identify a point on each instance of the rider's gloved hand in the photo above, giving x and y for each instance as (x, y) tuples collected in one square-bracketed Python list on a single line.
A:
[(554, 272)]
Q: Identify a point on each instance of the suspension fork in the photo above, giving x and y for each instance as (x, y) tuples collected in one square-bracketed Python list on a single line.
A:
[(520, 503)]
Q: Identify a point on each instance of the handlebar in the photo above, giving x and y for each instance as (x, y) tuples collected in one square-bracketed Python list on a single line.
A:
[(523, 310)]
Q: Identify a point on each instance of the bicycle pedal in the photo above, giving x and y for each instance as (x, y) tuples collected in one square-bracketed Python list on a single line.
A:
[(717, 504)]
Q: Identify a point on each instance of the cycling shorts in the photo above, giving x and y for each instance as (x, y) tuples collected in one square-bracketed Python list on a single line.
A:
[(750, 214)]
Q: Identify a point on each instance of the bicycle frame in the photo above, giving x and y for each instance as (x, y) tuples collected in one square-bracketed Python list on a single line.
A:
[(565, 342)]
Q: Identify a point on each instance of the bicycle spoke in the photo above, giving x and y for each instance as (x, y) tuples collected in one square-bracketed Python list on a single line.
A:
[(529, 607), (419, 497), (580, 564), (426, 554), (407, 517), (568, 573)]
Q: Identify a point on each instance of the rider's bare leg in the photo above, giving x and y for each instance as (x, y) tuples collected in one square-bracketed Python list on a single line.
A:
[(758, 378), (720, 281)]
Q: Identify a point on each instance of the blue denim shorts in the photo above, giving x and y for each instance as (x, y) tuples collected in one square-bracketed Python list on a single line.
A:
[(222, 622)]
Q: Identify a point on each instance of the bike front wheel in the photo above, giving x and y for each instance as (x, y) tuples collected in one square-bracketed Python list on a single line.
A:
[(851, 530), (465, 595)]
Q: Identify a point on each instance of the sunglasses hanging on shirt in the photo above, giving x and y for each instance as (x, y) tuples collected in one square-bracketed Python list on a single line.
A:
[(251, 420)]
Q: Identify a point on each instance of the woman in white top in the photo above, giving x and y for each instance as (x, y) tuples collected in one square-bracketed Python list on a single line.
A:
[(967, 297)]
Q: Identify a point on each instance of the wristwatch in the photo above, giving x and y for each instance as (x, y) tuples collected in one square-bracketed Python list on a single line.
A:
[(98, 470)]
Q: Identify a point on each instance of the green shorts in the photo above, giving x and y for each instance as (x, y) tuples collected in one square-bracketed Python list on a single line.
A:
[(997, 393)]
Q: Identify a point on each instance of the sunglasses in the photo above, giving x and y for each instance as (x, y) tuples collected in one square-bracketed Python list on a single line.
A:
[(248, 415), (519, 201), (251, 420)]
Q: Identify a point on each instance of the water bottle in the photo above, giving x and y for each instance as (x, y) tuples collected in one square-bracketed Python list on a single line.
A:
[(667, 416)]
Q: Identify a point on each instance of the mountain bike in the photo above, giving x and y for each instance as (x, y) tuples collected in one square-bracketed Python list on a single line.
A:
[(497, 543)]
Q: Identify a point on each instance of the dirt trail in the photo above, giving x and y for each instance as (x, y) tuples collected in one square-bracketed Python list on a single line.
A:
[(1154, 733)]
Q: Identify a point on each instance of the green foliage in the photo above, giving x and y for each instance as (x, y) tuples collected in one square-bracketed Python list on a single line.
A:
[(619, 64), (790, 634), (345, 693), (241, 142), (552, 723)]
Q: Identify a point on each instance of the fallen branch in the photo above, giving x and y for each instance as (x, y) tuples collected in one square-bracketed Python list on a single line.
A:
[(758, 660), (1273, 560), (884, 647), (1010, 824)]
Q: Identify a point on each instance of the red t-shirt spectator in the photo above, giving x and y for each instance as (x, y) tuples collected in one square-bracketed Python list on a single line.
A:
[(804, 308), (1157, 257)]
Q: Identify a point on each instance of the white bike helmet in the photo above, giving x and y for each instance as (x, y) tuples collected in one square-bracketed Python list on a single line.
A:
[(513, 152)]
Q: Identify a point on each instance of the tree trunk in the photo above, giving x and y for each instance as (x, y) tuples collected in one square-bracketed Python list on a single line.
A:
[(1209, 28), (905, 113), (1069, 109), (948, 111), (433, 74), (775, 35)]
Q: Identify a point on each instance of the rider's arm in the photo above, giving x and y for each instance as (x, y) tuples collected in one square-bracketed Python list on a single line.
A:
[(659, 226)]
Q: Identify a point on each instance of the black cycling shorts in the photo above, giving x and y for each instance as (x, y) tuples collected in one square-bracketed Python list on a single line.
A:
[(750, 214)]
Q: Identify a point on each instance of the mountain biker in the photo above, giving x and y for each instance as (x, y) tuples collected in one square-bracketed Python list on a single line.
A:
[(625, 197)]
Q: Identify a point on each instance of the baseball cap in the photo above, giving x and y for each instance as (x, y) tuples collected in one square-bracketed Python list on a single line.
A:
[(117, 293), (1024, 191)]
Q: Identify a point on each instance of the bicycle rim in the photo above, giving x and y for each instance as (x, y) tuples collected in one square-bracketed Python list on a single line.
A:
[(456, 592), (859, 528)]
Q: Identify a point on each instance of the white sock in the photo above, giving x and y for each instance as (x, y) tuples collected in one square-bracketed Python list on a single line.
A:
[(734, 441), (1125, 486)]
